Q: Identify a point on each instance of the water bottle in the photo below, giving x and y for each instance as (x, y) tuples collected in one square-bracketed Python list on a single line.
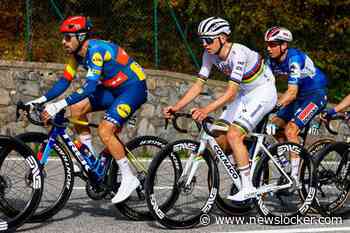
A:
[(315, 127), (87, 154), (102, 164)]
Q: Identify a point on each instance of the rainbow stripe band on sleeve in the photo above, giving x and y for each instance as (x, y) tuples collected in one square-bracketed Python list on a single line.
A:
[(254, 73)]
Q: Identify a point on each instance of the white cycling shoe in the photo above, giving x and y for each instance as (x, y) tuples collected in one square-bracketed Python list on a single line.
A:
[(244, 194), (128, 185)]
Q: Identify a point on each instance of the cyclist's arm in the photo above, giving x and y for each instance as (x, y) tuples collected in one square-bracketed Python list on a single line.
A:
[(197, 87), (57, 89), (228, 96), (289, 96), (92, 77), (343, 104), (293, 82), (190, 95), (63, 83)]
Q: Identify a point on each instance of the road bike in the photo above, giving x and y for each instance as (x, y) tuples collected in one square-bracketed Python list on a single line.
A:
[(193, 187), (55, 151)]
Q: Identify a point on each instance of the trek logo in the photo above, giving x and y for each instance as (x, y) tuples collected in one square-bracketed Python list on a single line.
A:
[(308, 112), (76, 152)]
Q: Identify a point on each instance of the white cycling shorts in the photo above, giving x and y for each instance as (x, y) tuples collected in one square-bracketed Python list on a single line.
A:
[(248, 109)]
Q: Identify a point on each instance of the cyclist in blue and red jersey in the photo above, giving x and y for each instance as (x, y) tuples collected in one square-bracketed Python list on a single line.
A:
[(306, 95), (114, 82)]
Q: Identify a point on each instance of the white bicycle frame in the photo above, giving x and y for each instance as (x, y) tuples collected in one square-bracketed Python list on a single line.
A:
[(195, 159)]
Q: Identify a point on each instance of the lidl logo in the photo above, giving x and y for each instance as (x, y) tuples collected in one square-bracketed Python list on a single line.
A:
[(97, 59), (124, 110), (80, 91)]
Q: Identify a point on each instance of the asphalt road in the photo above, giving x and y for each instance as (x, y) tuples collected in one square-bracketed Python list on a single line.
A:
[(82, 214)]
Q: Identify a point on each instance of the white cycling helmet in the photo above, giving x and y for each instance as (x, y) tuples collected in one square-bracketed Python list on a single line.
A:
[(212, 27), (278, 34)]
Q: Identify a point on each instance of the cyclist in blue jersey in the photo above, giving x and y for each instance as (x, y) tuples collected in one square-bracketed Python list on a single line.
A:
[(306, 94), (114, 82)]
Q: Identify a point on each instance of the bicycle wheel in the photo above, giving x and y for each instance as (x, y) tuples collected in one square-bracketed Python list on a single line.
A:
[(21, 183), (58, 173), (171, 201), (227, 187), (313, 149), (143, 149), (285, 202), (333, 171)]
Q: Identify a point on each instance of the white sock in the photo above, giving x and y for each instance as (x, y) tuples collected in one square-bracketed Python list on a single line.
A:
[(232, 160), (87, 140), (124, 167), (295, 167), (245, 175)]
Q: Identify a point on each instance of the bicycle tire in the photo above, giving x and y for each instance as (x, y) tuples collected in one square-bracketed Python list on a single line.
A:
[(313, 149), (337, 180), (160, 211), (33, 179), (45, 211), (301, 208), (132, 208)]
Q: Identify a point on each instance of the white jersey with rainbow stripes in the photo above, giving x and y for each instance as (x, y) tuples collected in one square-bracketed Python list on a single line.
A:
[(243, 66)]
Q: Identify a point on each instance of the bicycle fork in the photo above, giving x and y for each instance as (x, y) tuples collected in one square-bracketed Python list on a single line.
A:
[(192, 164)]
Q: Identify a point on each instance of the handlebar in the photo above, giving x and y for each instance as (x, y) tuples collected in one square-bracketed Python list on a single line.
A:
[(339, 116), (175, 124), (58, 121), (37, 109), (220, 125)]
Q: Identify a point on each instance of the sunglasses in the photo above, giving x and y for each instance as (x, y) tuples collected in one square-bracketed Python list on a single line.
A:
[(206, 40), (273, 44), (68, 36)]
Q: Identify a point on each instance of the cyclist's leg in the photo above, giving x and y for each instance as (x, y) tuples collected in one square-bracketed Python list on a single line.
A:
[(308, 108), (127, 102), (235, 137), (99, 100), (227, 115), (252, 108), (281, 119)]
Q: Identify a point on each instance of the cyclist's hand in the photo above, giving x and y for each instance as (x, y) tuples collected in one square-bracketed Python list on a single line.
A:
[(52, 109), (327, 114), (277, 108), (40, 100), (168, 111), (199, 114), (271, 128)]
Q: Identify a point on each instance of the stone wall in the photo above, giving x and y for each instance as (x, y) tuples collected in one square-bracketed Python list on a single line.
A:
[(26, 81)]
